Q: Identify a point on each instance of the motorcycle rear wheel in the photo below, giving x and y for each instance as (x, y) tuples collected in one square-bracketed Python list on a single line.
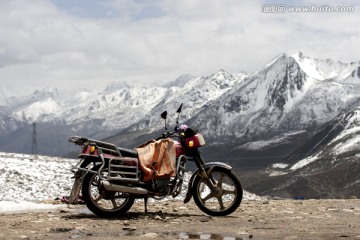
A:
[(227, 197), (104, 203)]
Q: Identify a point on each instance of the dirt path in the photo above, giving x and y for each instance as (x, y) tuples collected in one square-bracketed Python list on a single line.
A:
[(274, 219)]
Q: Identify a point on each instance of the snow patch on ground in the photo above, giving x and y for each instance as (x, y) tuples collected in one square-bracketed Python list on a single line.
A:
[(34, 178), (302, 163), (22, 206), (280, 165), (26, 180), (349, 145), (262, 144)]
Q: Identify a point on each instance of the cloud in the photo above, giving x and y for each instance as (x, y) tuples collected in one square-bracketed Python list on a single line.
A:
[(91, 43)]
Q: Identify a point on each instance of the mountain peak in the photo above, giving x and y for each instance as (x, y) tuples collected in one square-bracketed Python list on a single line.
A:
[(327, 69), (298, 55), (45, 93), (180, 81), (221, 74), (114, 86), (273, 61), (46, 90)]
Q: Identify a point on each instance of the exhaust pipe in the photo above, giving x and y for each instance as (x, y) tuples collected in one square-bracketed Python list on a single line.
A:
[(118, 188)]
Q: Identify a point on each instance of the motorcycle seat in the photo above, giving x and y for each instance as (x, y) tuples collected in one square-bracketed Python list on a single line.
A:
[(128, 152)]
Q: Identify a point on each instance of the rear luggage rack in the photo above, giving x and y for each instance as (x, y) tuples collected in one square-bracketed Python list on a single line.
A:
[(124, 169), (106, 148), (119, 167)]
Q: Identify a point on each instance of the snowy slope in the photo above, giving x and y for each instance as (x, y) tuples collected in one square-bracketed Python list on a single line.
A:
[(330, 168), (346, 142), (38, 111)]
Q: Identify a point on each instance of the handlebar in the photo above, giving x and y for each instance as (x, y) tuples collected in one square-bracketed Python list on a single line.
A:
[(166, 135)]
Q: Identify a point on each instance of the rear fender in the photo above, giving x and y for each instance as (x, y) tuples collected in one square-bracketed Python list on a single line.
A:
[(82, 166), (208, 168)]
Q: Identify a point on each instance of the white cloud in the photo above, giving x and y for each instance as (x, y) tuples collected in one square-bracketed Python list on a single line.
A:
[(142, 42)]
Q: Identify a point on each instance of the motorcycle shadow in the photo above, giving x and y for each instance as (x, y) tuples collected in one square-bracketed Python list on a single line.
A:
[(137, 215), (153, 215)]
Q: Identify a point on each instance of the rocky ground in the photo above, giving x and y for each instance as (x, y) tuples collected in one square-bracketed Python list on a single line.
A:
[(266, 219)]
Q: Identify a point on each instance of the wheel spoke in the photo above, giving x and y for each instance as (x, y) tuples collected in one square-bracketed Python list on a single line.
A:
[(220, 181), (206, 198), (114, 203), (221, 203), (99, 197), (225, 192)]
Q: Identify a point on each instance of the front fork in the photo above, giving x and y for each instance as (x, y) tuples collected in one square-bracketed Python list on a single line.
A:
[(203, 172), (200, 163)]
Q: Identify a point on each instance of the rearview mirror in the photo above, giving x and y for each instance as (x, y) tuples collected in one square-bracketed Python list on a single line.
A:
[(179, 109), (164, 115)]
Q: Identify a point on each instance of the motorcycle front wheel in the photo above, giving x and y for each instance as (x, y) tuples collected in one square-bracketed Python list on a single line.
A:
[(104, 203), (226, 195)]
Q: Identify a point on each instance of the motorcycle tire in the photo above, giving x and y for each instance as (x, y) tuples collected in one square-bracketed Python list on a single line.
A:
[(227, 197), (101, 202)]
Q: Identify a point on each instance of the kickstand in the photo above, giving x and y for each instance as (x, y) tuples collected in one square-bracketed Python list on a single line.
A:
[(145, 203)]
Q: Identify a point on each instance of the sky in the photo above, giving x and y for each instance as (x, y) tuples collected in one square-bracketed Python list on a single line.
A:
[(92, 43)]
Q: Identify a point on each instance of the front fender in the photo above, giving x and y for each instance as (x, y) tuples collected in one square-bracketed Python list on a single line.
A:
[(208, 168)]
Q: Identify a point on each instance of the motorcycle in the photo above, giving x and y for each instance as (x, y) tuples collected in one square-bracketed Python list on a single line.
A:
[(111, 178)]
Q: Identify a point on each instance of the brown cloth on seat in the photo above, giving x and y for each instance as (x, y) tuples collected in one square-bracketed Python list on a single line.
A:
[(159, 155)]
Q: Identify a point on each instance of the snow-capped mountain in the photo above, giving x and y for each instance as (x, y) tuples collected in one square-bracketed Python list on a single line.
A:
[(78, 112), (275, 115), (283, 96), (102, 113), (83, 105), (195, 93), (289, 94)]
